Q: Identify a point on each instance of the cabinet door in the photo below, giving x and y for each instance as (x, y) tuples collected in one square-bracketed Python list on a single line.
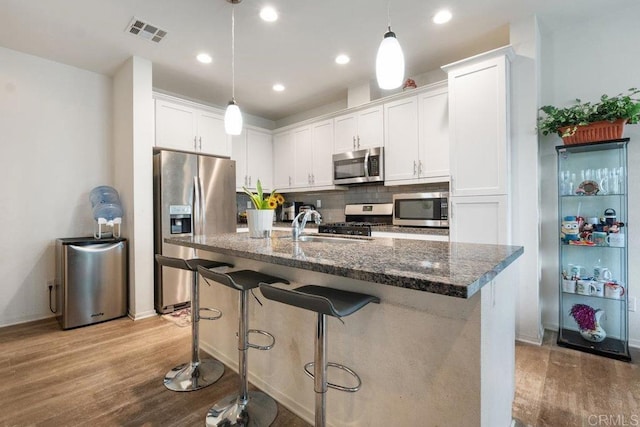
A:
[(212, 138), (303, 160), (283, 161), (482, 219), (321, 153), (370, 128), (259, 158), (478, 126), (346, 129), (239, 154), (433, 130), (401, 139), (175, 126)]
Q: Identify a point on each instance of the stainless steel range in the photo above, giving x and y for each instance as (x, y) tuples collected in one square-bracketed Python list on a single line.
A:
[(360, 219)]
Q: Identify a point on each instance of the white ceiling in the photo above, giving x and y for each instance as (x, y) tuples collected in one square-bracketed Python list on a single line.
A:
[(298, 50)]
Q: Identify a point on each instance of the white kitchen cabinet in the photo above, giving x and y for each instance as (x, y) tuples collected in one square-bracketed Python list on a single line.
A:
[(479, 219), (359, 130), (417, 138), (478, 124), (184, 126), (313, 146), (253, 152), (283, 160)]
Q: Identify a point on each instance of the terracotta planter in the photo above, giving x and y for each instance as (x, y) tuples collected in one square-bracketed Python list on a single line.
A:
[(596, 131)]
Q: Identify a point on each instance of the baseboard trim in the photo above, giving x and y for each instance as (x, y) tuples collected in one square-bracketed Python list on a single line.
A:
[(143, 315), (20, 321)]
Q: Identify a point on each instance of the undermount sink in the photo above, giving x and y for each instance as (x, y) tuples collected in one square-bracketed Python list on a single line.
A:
[(330, 238)]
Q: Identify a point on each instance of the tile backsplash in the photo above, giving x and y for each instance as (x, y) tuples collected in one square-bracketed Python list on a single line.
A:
[(333, 201)]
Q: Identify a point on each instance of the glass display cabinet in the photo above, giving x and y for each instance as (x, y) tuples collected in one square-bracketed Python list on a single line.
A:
[(593, 278)]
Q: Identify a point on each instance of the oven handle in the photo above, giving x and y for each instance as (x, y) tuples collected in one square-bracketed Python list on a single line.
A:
[(366, 164)]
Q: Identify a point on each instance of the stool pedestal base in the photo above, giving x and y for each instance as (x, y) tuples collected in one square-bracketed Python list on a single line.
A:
[(193, 376), (258, 411)]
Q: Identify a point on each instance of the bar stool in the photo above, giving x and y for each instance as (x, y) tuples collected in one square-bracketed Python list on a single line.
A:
[(326, 302), (198, 373), (248, 408)]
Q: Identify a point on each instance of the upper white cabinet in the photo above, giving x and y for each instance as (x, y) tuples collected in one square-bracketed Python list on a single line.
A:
[(283, 160), (359, 130), (313, 147), (183, 126), (417, 138), (253, 152), (478, 124)]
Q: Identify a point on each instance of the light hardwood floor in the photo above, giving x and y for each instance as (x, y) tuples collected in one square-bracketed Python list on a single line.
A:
[(111, 375), (108, 374), (558, 387)]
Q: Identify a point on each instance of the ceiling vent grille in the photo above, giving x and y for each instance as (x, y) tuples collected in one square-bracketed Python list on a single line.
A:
[(144, 30)]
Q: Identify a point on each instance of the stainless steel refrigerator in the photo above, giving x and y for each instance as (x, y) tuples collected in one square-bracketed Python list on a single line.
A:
[(194, 194)]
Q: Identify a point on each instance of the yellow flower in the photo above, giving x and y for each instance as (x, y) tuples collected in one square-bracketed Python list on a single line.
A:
[(262, 201)]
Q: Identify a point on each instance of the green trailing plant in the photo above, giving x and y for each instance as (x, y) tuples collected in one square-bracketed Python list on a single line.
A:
[(609, 108)]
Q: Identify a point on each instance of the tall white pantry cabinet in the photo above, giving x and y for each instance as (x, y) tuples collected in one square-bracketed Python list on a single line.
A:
[(479, 147)]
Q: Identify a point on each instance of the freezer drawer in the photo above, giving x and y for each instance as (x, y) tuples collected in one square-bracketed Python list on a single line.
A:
[(91, 280)]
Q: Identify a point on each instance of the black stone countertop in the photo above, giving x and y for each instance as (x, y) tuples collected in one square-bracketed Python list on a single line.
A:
[(453, 269)]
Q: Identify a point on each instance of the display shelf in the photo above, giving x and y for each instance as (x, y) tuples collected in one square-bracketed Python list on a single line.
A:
[(601, 218)]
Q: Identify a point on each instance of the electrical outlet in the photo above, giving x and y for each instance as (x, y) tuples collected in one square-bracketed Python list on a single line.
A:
[(318, 203), (248, 204), (50, 283), (632, 303)]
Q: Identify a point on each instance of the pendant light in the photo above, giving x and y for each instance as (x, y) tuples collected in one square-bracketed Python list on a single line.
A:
[(233, 116), (390, 59)]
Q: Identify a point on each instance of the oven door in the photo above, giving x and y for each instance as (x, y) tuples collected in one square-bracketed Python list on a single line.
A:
[(358, 166), (421, 210)]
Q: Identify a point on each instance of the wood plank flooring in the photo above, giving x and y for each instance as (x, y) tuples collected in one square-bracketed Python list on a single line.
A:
[(108, 374), (558, 387), (111, 375)]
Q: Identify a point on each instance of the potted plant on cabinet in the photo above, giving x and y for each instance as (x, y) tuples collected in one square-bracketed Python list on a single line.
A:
[(589, 122)]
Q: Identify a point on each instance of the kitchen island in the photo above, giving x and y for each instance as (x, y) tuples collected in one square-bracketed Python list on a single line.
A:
[(438, 350)]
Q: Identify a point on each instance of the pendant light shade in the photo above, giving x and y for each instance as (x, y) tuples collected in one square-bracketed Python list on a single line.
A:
[(233, 119), (390, 62), (233, 116)]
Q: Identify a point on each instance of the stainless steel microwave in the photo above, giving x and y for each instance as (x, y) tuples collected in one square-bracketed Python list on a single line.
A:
[(355, 167), (421, 209)]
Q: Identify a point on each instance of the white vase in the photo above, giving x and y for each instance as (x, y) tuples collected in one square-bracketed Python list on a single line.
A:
[(595, 335), (260, 222)]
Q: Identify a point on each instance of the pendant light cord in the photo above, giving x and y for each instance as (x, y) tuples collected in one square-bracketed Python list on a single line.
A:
[(233, 53), (389, 15)]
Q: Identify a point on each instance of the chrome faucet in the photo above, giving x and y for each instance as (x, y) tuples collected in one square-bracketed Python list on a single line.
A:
[(298, 228)]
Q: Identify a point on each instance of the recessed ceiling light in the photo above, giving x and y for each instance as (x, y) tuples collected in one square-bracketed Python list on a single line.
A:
[(205, 58), (278, 87), (342, 59), (442, 17), (268, 14)]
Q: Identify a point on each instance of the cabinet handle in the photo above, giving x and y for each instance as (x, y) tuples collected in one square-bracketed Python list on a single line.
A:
[(354, 141), (419, 167), (414, 168), (195, 143), (200, 143), (249, 180), (313, 179), (245, 181), (358, 141), (289, 180)]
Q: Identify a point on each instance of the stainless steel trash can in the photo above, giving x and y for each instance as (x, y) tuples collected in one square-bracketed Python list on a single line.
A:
[(91, 280)]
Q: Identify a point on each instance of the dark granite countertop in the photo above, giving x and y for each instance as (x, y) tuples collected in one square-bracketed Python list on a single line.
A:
[(453, 269)]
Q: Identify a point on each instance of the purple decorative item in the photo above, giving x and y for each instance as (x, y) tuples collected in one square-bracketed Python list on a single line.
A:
[(588, 319)]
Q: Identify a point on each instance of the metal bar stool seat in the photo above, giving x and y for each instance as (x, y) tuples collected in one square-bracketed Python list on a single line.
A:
[(326, 302), (198, 373), (246, 408)]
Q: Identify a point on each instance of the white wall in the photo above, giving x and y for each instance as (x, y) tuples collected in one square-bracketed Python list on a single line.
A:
[(55, 133), (133, 168), (584, 61), (524, 175)]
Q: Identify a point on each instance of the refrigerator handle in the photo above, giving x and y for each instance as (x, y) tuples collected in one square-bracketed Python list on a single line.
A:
[(203, 203), (196, 206)]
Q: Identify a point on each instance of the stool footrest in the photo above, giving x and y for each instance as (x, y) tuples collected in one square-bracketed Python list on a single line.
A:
[(309, 366), (214, 310), (265, 333)]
